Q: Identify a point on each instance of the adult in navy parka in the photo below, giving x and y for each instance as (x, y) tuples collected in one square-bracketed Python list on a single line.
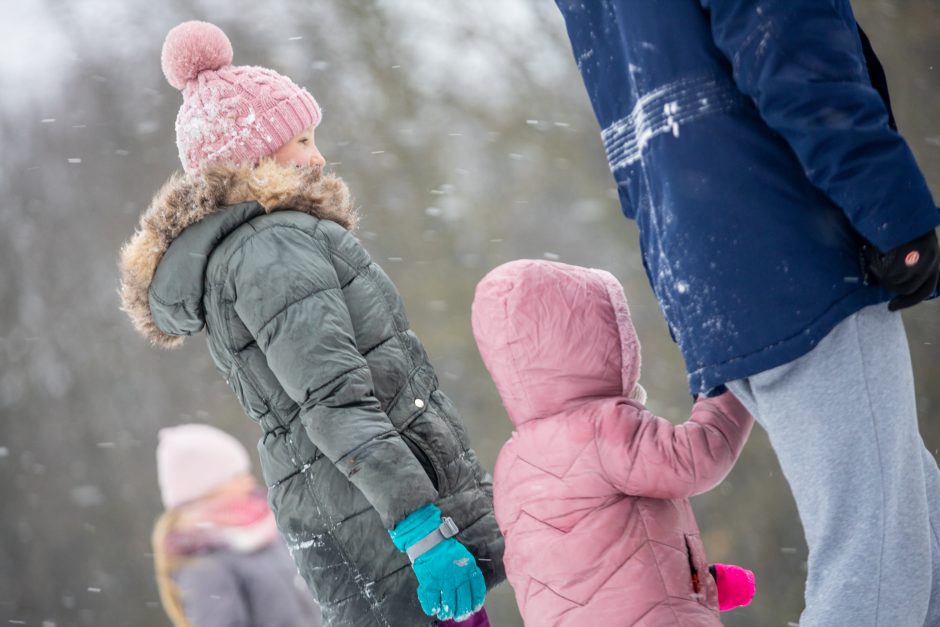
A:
[(778, 210)]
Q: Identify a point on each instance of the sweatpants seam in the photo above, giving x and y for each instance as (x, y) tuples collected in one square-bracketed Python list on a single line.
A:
[(871, 411), (933, 530)]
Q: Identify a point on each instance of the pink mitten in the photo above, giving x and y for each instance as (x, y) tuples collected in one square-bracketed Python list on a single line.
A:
[(735, 586)]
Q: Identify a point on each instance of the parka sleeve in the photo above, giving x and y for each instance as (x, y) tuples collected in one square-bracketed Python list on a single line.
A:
[(289, 297), (643, 455), (802, 64)]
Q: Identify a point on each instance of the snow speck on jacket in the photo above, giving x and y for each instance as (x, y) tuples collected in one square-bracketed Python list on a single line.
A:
[(591, 491)]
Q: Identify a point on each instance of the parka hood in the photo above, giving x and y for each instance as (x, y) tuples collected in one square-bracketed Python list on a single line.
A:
[(553, 336), (166, 259)]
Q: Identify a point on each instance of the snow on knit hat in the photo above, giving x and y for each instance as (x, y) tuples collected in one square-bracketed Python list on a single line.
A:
[(193, 460), (230, 114)]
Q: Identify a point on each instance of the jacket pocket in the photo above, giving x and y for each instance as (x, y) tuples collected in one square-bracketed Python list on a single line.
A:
[(423, 458), (704, 590)]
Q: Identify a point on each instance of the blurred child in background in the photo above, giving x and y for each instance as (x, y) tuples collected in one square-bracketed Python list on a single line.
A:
[(218, 557)]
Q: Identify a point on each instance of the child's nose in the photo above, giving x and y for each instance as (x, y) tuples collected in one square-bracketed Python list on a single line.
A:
[(317, 160)]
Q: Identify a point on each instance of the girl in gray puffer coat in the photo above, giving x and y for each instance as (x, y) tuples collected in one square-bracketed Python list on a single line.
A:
[(253, 244)]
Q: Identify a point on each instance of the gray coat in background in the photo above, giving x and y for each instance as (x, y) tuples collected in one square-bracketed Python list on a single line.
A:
[(235, 589), (313, 338)]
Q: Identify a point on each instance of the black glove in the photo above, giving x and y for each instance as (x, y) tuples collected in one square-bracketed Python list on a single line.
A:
[(910, 270)]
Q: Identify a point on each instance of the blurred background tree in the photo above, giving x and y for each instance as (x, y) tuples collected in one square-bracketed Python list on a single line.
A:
[(466, 135)]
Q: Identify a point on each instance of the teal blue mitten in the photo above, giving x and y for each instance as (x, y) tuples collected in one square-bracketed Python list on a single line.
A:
[(450, 584)]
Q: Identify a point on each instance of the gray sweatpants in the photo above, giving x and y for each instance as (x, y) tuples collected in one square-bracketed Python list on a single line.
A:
[(843, 422)]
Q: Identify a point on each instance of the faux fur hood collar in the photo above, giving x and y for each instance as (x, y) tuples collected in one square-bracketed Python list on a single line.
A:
[(185, 200)]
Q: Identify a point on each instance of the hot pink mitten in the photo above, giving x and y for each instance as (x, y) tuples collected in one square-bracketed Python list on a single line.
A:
[(735, 586)]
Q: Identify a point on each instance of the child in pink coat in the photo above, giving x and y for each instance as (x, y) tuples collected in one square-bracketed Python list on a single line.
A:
[(591, 493)]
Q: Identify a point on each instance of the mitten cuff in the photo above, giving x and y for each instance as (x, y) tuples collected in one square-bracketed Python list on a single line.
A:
[(415, 526)]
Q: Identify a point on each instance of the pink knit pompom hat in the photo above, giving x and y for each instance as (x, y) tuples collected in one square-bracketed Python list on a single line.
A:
[(230, 114), (193, 460)]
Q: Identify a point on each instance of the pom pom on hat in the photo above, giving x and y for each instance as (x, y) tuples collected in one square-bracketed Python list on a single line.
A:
[(191, 48), (193, 460)]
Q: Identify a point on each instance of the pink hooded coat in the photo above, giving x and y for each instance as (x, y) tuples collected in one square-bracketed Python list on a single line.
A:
[(591, 491)]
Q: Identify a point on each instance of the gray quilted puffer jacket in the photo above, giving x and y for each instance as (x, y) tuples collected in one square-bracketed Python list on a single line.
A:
[(312, 336)]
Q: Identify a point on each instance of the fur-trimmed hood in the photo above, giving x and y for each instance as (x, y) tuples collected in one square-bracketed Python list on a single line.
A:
[(185, 200)]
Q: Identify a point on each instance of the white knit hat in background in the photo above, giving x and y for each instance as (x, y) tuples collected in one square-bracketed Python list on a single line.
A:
[(193, 460)]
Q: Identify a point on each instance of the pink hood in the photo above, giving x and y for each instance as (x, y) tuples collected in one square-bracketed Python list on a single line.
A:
[(564, 330)]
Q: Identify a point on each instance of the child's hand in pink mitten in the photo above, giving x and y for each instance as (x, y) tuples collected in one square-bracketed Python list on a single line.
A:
[(735, 586)]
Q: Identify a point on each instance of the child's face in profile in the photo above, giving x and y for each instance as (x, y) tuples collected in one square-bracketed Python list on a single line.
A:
[(300, 152)]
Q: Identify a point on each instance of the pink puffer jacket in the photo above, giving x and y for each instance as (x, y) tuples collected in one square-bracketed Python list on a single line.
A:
[(591, 491)]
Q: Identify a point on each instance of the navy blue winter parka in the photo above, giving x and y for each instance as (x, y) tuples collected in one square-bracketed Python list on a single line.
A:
[(749, 145)]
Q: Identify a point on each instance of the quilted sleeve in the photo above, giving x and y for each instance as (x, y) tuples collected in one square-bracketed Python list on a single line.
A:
[(643, 455), (802, 63)]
